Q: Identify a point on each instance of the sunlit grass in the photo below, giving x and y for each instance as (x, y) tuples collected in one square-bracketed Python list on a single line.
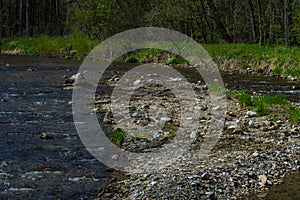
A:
[(263, 104), (117, 137)]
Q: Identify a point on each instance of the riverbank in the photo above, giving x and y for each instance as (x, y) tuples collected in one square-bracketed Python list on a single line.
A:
[(273, 60), (258, 149)]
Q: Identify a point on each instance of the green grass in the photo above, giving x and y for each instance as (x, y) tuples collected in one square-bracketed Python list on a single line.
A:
[(176, 60), (285, 59), (282, 60), (117, 137), (217, 88), (294, 114), (142, 56), (243, 96), (49, 46), (263, 104)]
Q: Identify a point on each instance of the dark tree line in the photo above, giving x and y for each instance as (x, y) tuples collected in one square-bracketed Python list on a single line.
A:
[(208, 21), (33, 17)]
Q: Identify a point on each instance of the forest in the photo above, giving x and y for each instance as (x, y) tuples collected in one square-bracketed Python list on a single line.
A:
[(207, 21)]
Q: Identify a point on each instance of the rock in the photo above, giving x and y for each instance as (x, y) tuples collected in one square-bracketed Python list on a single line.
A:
[(115, 78), (264, 128), (282, 135), (195, 183), (252, 123), (251, 113), (248, 70), (231, 128), (205, 87), (193, 135), (262, 179), (237, 131), (167, 119), (31, 69), (137, 82), (255, 154), (157, 135), (76, 77), (292, 78), (153, 183), (136, 115), (273, 128), (294, 130), (49, 136), (205, 176), (176, 79)]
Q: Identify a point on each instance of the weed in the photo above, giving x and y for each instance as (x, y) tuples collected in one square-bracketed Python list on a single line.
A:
[(244, 97), (117, 137), (177, 60), (217, 88), (294, 114)]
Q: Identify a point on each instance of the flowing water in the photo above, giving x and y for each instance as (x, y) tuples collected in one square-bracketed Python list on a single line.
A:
[(31, 104)]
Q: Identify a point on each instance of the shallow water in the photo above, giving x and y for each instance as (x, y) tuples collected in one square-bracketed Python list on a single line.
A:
[(35, 168), (30, 103)]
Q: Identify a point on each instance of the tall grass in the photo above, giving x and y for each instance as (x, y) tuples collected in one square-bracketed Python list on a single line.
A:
[(285, 59), (49, 46)]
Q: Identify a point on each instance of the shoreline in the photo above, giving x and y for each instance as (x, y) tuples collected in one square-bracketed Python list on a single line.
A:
[(253, 155)]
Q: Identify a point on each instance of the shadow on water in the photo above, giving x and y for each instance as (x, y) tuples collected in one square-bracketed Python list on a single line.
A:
[(31, 167)]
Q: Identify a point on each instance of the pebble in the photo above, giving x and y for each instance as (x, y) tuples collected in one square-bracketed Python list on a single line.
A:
[(262, 179), (251, 113), (252, 123), (244, 161), (193, 135), (157, 135), (167, 119)]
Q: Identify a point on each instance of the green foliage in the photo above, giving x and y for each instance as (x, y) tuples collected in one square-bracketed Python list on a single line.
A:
[(260, 106), (277, 70), (285, 59), (294, 114), (142, 55), (277, 99), (170, 127), (263, 104), (117, 137), (138, 137), (176, 60), (48, 47), (244, 97), (82, 45), (217, 88)]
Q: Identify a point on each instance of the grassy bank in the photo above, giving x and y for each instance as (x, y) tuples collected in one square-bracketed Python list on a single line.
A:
[(65, 47), (277, 59)]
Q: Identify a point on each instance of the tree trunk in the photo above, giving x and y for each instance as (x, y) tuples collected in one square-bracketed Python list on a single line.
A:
[(272, 18), (260, 23), (252, 20), (27, 19), (20, 18), (286, 22)]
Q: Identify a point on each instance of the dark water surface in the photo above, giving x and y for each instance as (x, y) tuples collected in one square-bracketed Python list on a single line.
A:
[(35, 168), (30, 104)]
